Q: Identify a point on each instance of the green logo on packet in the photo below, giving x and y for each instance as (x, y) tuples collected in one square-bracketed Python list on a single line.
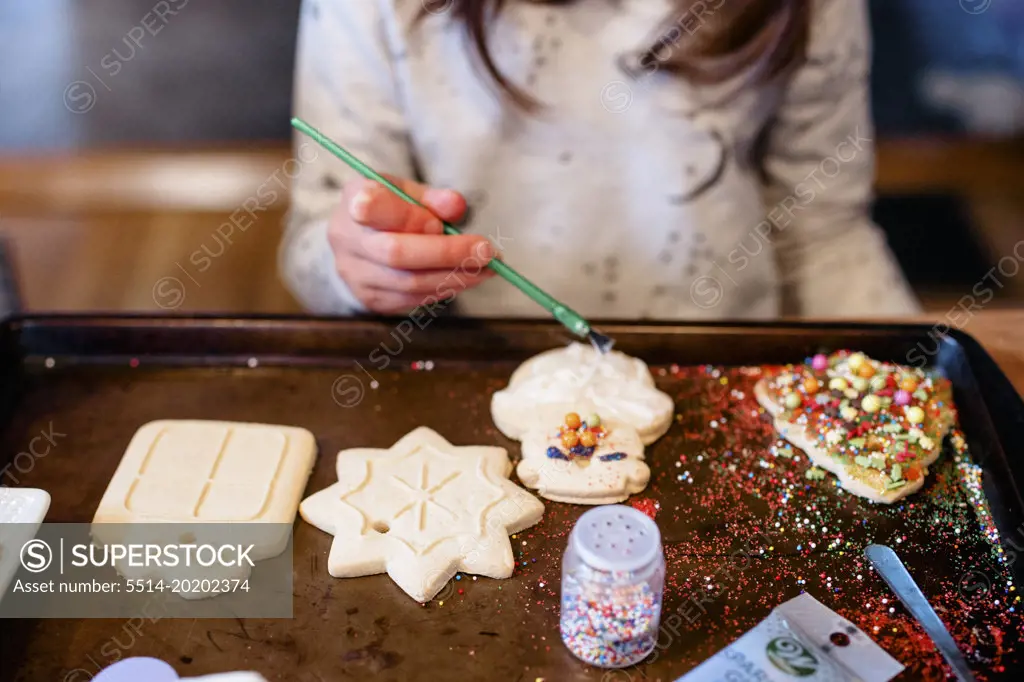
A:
[(791, 657)]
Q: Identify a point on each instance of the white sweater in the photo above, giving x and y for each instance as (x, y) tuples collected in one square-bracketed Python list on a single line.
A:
[(627, 196)]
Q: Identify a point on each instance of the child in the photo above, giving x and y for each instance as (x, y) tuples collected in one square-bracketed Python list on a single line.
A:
[(634, 158)]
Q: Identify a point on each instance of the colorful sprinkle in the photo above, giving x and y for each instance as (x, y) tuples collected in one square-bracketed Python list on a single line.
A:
[(646, 505), (581, 451), (555, 453), (609, 627), (612, 457)]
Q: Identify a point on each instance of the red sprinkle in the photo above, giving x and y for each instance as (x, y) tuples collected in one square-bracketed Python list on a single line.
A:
[(646, 505)]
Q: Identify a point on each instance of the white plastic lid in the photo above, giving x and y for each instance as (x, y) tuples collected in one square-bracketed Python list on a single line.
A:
[(615, 537), (137, 669)]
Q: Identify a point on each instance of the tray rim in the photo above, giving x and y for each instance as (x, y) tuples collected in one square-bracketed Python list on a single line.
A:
[(20, 322), (298, 319), (285, 321)]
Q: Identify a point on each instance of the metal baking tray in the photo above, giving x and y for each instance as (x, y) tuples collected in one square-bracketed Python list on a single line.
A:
[(368, 382)]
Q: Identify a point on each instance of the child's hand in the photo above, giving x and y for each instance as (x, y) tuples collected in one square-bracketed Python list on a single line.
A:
[(393, 254)]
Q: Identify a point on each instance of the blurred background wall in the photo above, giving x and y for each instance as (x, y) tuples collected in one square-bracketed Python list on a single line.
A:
[(113, 112), (94, 73), (220, 70)]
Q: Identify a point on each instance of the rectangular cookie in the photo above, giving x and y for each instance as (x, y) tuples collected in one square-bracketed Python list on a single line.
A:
[(22, 511), (211, 472)]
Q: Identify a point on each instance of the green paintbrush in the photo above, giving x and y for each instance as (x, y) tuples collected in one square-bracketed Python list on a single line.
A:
[(572, 320)]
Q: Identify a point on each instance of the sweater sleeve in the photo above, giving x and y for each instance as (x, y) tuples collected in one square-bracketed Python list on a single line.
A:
[(345, 86), (819, 168)]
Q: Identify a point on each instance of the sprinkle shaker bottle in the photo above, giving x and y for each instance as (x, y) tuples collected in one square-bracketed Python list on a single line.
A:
[(613, 576)]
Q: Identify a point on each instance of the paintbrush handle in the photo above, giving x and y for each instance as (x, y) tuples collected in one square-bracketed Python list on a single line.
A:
[(572, 320)]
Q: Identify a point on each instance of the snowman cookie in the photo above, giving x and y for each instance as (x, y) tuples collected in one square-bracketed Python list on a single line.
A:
[(579, 379), (584, 460)]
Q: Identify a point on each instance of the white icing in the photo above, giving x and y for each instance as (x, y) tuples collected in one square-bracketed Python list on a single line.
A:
[(579, 378)]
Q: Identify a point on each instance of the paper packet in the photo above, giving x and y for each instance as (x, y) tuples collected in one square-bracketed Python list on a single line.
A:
[(801, 640)]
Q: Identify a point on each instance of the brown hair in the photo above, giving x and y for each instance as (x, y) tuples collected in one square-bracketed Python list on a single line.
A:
[(706, 42)]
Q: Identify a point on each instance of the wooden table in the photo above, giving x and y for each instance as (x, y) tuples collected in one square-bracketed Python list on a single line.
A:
[(1001, 332)]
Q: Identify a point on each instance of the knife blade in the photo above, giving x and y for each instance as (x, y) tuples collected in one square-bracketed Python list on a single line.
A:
[(895, 574)]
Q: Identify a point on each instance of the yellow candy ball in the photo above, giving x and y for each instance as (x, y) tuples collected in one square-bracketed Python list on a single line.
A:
[(856, 361), (915, 415), (871, 403)]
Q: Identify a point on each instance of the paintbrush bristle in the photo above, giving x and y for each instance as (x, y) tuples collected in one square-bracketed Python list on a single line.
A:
[(602, 343)]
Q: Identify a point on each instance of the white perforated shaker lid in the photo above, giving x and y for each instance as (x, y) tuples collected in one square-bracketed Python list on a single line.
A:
[(615, 537)]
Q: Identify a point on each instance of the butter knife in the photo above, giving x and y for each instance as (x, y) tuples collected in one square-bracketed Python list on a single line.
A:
[(895, 574)]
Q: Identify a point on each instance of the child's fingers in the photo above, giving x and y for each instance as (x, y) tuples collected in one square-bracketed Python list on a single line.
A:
[(446, 204), (397, 291), (387, 302), (424, 283), (465, 252), (375, 206)]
